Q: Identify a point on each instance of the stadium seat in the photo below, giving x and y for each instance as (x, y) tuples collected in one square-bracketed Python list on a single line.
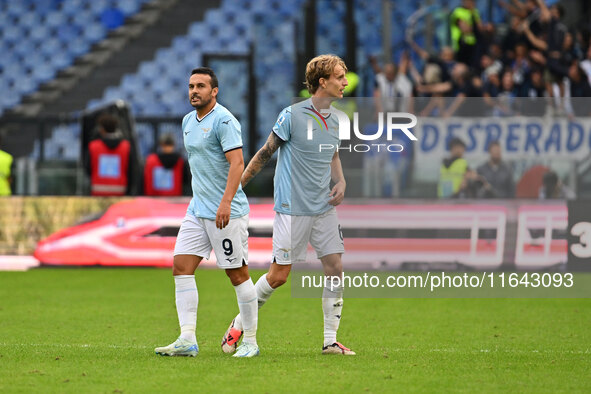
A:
[(97, 6), (112, 18), (79, 46), (112, 94), (183, 44), (161, 85), (129, 7), (43, 72), (9, 100), (94, 32), (198, 30), (30, 20), (131, 82), (60, 30)]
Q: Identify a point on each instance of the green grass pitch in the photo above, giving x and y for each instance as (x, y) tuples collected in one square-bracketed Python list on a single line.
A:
[(94, 331)]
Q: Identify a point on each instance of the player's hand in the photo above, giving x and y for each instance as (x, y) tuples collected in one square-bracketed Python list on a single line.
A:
[(337, 193), (222, 218)]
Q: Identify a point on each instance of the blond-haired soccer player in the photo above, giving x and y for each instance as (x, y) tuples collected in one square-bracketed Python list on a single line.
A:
[(304, 203)]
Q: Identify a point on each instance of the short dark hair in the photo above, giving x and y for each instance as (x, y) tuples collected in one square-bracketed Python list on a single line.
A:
[(560, 9), (167, 140), (107, 122), (456, 142), (494, 143), (207, 71)]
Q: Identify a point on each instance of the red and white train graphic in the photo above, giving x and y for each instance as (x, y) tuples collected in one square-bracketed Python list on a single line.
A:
[(142, 232)]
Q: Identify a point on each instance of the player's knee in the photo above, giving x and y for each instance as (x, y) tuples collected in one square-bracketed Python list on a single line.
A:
[(238, 276), (179, 271), (332, 264), (238, 280), (277, 280), (278, 274), (184, 265)]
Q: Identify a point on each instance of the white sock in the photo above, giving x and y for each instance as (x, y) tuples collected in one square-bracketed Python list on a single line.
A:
[(264, 291), (247, 304), (187, 300), (332, 305)]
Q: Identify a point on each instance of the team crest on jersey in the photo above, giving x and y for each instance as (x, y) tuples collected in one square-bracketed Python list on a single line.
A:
[(285, 252), (205, 129)]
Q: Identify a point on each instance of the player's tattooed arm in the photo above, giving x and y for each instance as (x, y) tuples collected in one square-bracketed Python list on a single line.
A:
[(261, 158)]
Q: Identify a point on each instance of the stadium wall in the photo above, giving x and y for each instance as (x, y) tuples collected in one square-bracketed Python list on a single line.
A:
[(379, 234)]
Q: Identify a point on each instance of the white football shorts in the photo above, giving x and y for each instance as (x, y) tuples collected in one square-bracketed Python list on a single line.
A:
[(291, 235), (197, 236)]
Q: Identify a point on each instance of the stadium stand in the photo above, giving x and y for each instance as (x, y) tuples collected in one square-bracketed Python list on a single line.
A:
[(274, 58), (266, 26), (39, 38)]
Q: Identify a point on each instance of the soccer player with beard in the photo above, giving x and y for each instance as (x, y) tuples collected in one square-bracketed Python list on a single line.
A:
[(217, 217), (304, 203)]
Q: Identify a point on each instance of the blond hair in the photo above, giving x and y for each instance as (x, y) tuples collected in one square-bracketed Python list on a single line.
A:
[(321, 67)]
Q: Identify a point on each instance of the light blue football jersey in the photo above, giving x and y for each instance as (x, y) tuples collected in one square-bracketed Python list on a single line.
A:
[(206, 141), (302, 175)]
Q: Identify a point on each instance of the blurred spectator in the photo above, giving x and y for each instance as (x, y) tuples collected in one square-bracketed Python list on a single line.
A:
[(6, 171), (393, 89), (437, 70), (496, 52), (553, 188), (518, 9), (520, 69), (462, 85), (552, 42), (514, 35), (445, 60), (578, 87), (497, 175), (586, 63), (165, 172), (452, 169), (506, 103), (108, 159), (537, 49), (491, 90), (464, 29), (535, 102), (489, 66), (473, 186)]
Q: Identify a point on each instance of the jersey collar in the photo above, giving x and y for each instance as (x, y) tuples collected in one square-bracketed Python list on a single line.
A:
[(325, 115), (204, 116)]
